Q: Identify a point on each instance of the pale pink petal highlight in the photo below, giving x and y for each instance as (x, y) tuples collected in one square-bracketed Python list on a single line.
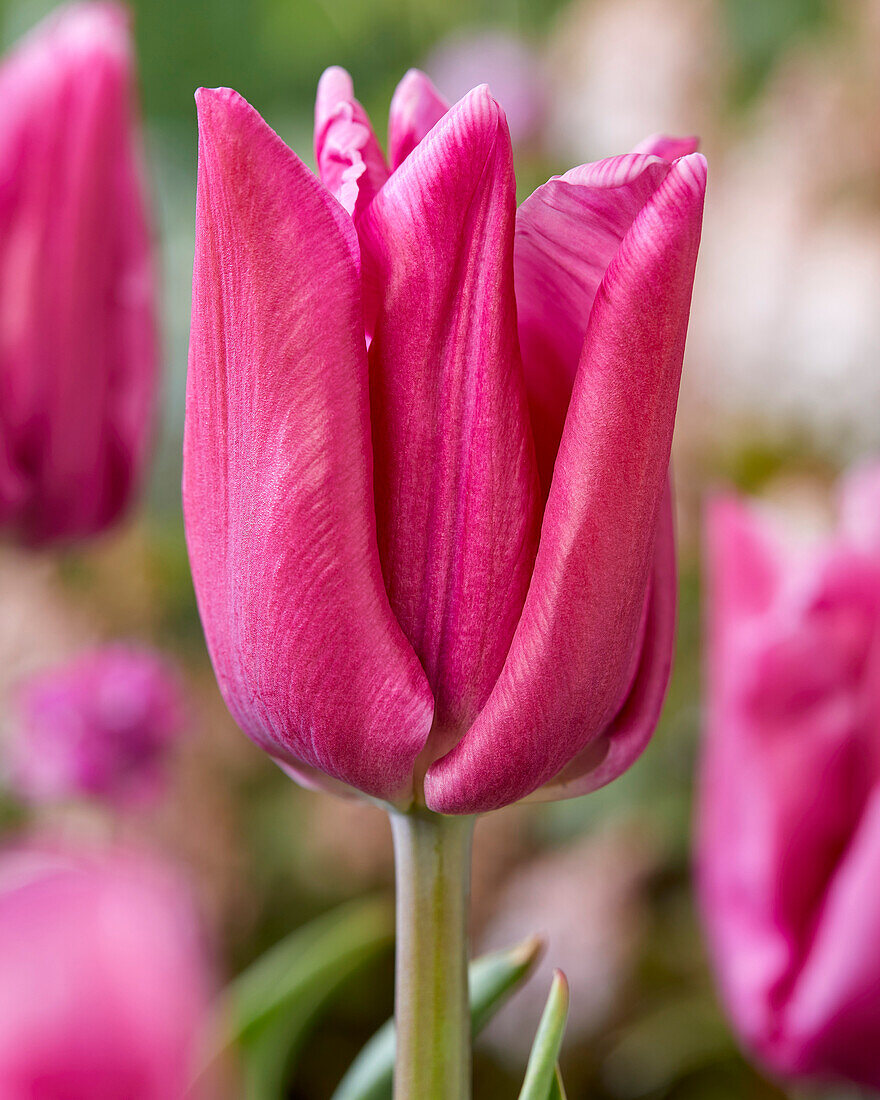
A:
[(350, 160)]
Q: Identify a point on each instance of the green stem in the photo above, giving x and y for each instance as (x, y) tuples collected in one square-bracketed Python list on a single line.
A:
[(432, 856)]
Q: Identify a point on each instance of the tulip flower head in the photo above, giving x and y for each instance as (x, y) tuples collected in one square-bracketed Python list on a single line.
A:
[(789, 816), (78, 353), (105, 983), (427, 447), (99, 726)]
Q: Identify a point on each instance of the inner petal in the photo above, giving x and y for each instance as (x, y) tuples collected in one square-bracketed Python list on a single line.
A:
[(416, 108), (455, 483), (349, 158), (567, 233)]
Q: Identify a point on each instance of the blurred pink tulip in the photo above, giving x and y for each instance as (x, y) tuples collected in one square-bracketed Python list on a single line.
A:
[(433, 552), (104, 984), (99, 725), (789, 821), (78, 353)]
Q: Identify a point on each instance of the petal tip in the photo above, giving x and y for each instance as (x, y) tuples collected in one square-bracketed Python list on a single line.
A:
[(411, 77), (334, 74), (414, 85), (208, 99), (693, 167), (483, 94), (335, 86), (94, 23), (85, 33), (220, 109), (480, 111), (668, 147)]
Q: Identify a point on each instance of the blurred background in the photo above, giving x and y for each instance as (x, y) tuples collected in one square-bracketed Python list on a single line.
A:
[(781, 391)]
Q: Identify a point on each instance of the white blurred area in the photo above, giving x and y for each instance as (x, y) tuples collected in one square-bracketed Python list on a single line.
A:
[(624, 69), (784, 346)]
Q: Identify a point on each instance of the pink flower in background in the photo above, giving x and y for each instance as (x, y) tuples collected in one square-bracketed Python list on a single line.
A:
[(105, 982), (789, 821), (100, 725), (78, 353), (506, 63), (427, 447)]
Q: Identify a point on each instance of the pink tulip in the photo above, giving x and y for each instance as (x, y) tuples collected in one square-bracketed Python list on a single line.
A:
[(100, 725), (78, 353), (427, 445), (103, 978), (789, 822)]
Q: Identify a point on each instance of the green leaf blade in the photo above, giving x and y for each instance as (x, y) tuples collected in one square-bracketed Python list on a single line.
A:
[(541, 1072), (267, 1010), (557, 1089)]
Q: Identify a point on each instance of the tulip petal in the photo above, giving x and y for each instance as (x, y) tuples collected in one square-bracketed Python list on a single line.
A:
[(567, 233), (786, 768), (76, 283), (456, 491), (667, 147), (277, 471), (832, 1019), (747, 556), (628, 734), (349, 158), (571, 661), (860, 506), (416, 107)]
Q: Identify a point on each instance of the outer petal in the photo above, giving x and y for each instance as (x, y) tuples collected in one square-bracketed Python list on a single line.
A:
[(277, 472), (78, 355), (416, 107), (350, 161), (456, 493), (629, 732), (567, 233), (572, 658)]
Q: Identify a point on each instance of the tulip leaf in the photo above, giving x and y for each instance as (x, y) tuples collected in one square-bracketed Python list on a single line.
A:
[(267, 1010), (491, 979), (557, 1089), (541, 1072)]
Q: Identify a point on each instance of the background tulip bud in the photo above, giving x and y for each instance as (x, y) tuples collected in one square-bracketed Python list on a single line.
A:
[(104, 978), (100, 725), (789, 821), (78, 353)]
